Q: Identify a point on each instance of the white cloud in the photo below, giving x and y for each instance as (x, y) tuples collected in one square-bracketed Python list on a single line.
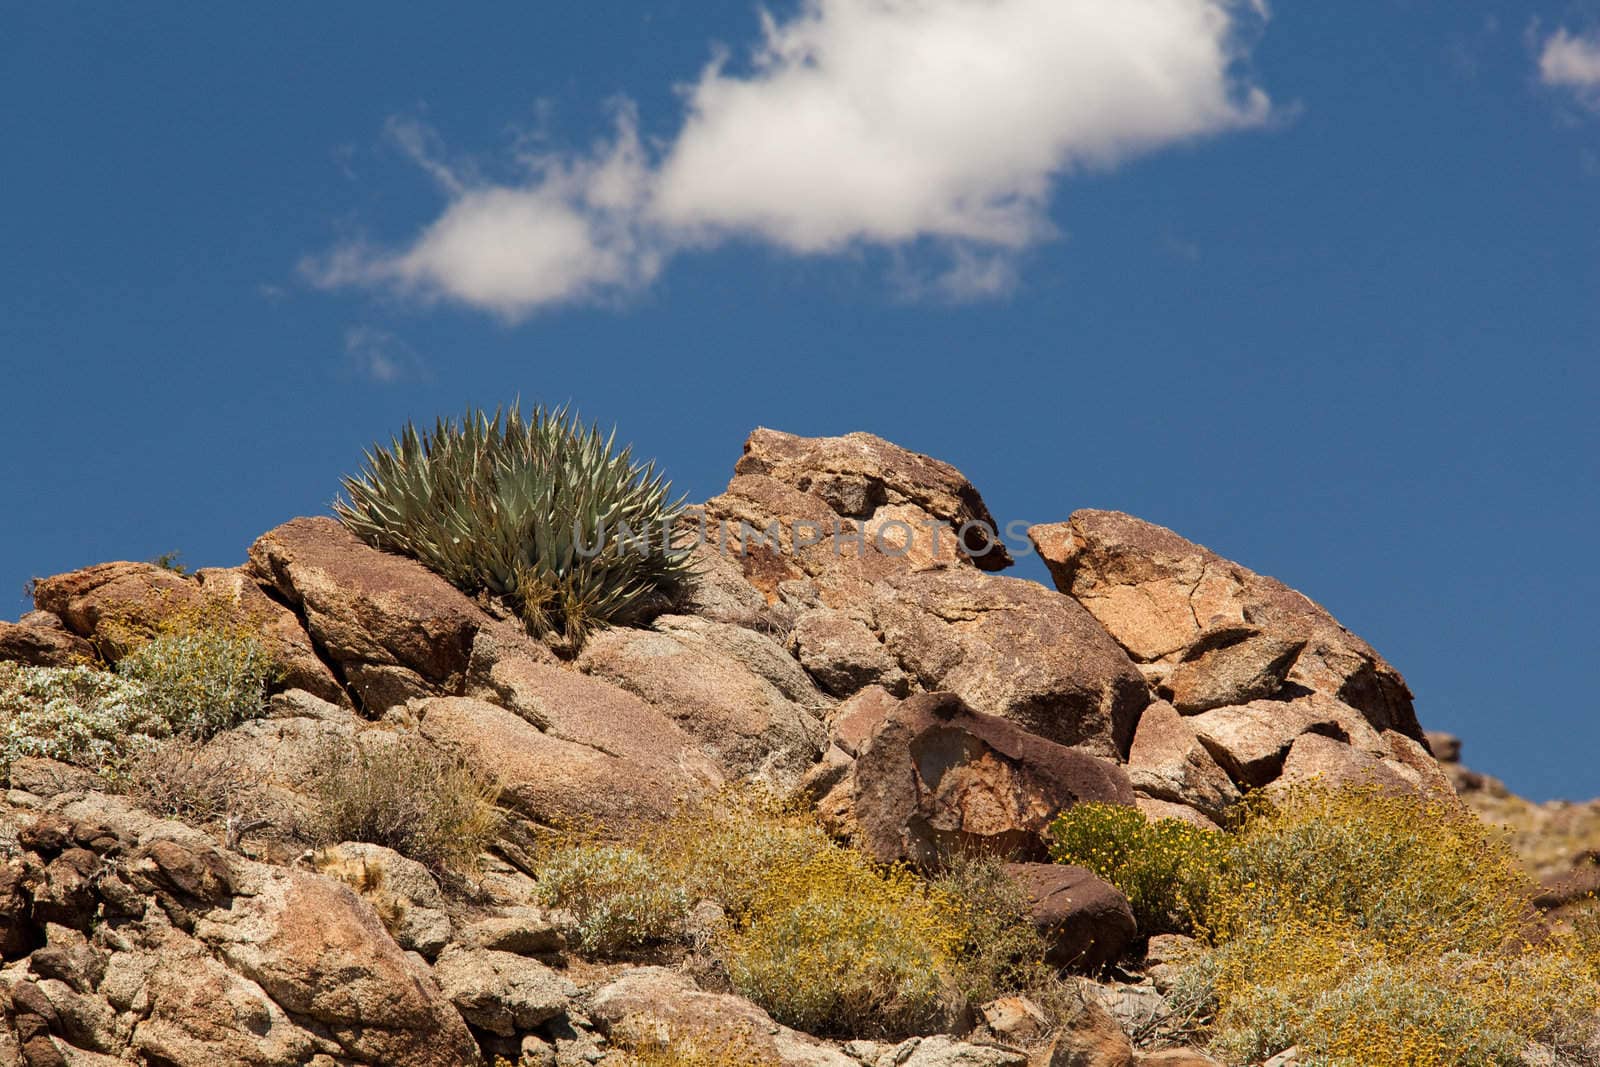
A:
[(1572, 62), (859, 122), (889, 120), (381, 356), (568, 234)]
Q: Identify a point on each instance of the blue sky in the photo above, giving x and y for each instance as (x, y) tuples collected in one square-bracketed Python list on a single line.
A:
[(1318, 287)]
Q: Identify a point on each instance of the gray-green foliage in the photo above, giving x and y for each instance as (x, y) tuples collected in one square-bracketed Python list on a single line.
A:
[(620, 900), (77, 715), (202, 680), (511, 507)]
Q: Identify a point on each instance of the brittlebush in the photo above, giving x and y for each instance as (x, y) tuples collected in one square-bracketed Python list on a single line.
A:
[(1385, 930), (815, 932)]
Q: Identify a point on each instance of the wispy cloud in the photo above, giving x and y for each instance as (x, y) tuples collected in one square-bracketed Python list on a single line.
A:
[(1572, 62), (883, 123), (381, 356)]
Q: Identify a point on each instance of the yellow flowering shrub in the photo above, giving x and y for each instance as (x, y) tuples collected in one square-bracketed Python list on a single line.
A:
[(1374, 929), (838, 946), (1165, 868), (818, 934)]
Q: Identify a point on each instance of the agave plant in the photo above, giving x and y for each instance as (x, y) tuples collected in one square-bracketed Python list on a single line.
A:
[(543, 513)]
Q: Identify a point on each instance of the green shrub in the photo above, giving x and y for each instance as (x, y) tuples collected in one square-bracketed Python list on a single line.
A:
[(1375, 929), (510, 508), (202, 676), (1165, 868), (620, 902), (400, 792), (77, 715)]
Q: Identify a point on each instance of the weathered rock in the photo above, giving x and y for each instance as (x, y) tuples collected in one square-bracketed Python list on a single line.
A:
[(68, 957), (1010, 648), (1446, 748), (1166, 956), (942, 1050), (1314, 758), (283, 755), (552, 781), (47, 777), (938, 777), (1168, 762), (500, 991), (280, 630), (859, 474), (737, 717), (395, 629), (199, 1013), (1091, 1038), (853, 722), (1085, 921), (1157, 593), (525, 931), (760, 650), (844, 655), (401, 890), (322, 953), (114, 605), (40, 639), (1252, 741), (653, 1004), (1231, 664), (1016, 1019)]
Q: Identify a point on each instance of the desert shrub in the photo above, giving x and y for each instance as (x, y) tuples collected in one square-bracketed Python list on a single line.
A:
[(1375, 929), (180, 779), (202, 674), (1000, 950), (662, 1048), (532, 511), (837, 945), (77, 715), (1165, 868), (816, 933), (402, 793), (619, 901)]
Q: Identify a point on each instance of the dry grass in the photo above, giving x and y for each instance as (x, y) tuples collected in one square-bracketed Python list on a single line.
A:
[(397, 791), (180, 779)]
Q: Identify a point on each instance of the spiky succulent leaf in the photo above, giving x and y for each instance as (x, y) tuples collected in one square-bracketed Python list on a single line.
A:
[(528, 510)]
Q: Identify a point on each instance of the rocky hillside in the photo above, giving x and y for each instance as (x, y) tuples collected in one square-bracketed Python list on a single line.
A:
[(848, 638)]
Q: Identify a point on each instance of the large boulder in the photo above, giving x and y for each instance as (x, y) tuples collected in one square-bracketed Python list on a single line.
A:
[(909, 616), (279, 628), (1169, 762), (563, 778), (395, 629), (41, 639), (115, 605), (1161, 596), (502, 992), (1014, 649), (938, 778), (736, 716), (1086, 923), (859, 475), (653, 1006)]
